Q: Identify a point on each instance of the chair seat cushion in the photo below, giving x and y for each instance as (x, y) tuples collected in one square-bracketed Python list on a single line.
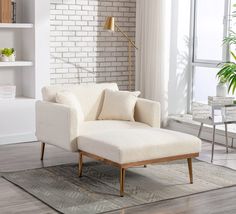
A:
[(89, 127), (138, 144)]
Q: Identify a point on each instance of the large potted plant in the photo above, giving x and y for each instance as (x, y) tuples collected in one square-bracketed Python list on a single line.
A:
[(228, 69)]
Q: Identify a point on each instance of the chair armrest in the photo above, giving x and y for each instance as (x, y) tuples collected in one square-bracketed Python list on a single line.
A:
[(148, 111), (57, 124)]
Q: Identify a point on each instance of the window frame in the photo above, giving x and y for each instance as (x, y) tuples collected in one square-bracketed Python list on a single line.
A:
[(205, 63)]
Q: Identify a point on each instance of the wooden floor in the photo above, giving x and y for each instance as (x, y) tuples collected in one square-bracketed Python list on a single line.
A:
[(26, 156)]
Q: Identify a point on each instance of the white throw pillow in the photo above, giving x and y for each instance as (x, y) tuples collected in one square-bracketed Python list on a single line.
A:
[(69, 99), (118, 105)]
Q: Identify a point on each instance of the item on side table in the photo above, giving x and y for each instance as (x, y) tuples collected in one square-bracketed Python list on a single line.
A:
[(229, 113), (221, 89), (7, 92), (7, 55), (5, 11), (212, 100)]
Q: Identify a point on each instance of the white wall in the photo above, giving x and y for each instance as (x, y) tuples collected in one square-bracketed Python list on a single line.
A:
[(81, 50), (179, 56)]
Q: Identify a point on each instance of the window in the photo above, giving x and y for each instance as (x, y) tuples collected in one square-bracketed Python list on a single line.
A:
[(210, 26)]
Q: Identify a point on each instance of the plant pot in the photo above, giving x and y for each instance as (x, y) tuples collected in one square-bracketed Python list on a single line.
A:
[(221, 90), (12, 58), (4, 58)]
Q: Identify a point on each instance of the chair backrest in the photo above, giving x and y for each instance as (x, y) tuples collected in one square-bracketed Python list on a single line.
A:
[(90, 96)]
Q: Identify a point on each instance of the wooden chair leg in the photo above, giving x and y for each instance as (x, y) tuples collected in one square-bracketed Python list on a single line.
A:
[(80, 164), (145, 166), (122, 181), (42, 150), (190, 169)]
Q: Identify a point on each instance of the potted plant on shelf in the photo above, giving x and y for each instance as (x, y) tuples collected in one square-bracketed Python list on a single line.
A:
[(7, 55)]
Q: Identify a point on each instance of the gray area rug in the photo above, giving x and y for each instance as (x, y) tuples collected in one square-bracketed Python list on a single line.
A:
[(98, 190)]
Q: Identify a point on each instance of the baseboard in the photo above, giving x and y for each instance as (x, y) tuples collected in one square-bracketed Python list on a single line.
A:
[(17, 138), (207, 131)]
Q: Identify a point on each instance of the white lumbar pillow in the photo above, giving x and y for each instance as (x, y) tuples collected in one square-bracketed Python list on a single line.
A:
[(69, 99), (118, 105)]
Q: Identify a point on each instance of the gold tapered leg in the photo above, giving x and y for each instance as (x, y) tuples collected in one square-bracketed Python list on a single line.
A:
[(122, 181), (80, 164), (190, 169), (42, 150)]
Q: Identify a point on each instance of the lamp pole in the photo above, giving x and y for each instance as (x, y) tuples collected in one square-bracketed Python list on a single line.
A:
[(130, 44), (110, 25)]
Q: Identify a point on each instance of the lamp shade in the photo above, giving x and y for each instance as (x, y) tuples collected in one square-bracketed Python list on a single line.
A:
[(110, 23)]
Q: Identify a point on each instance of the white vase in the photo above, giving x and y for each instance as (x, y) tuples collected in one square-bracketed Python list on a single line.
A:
[(221, 90), (12, 58), (4, 58)]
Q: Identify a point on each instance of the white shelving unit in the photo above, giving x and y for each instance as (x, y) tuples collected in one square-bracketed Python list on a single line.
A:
[(30, 72), (16, 64), (16, 25)]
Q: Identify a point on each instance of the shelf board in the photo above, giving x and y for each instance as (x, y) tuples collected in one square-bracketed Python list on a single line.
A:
[(16, 25), (17, 99), (16, 64)]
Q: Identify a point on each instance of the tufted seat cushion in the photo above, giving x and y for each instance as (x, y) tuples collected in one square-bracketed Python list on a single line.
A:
[(132, 143)]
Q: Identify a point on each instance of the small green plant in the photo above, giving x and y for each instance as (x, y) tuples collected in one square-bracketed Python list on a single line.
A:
[(7, 51)]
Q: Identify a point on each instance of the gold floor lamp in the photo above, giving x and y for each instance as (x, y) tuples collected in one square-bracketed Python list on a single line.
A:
[(110, 25)]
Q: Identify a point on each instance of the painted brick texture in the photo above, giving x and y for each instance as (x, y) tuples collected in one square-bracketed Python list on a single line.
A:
[(81, 51)]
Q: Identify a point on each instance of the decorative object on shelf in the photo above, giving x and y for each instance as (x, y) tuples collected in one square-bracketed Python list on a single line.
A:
[(5, 11), (221, 88), (7, 55), (13, 11), (110, 25), (7, 92), (228, 69)]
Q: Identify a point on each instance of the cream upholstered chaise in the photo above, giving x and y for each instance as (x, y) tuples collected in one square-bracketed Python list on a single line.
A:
[(122, 144)]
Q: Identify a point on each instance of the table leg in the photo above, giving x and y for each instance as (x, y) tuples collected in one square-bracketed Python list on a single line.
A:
[(232, 143), (213, 143), (200, 130), (226, 138)]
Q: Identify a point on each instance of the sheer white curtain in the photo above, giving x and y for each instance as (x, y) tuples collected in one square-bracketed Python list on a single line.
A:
[(152, 57)]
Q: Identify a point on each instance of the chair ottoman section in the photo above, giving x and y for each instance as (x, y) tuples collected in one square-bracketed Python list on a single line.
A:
[(125, 148)]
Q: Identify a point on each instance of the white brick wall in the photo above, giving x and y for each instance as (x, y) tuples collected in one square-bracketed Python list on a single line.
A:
[(81, 51)]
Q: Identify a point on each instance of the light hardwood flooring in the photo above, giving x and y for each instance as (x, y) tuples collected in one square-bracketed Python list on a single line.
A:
[(18, 157)]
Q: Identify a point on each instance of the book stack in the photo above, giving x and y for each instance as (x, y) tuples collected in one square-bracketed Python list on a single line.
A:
[(229, 113), (220, 101), (7, 92), (13, 11), (7, 11), (201, 111)]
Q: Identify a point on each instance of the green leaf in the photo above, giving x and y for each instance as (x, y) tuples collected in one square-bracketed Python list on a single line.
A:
[(234, 56)]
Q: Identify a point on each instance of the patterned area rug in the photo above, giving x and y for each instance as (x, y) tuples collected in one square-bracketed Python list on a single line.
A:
[(98, 190)]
